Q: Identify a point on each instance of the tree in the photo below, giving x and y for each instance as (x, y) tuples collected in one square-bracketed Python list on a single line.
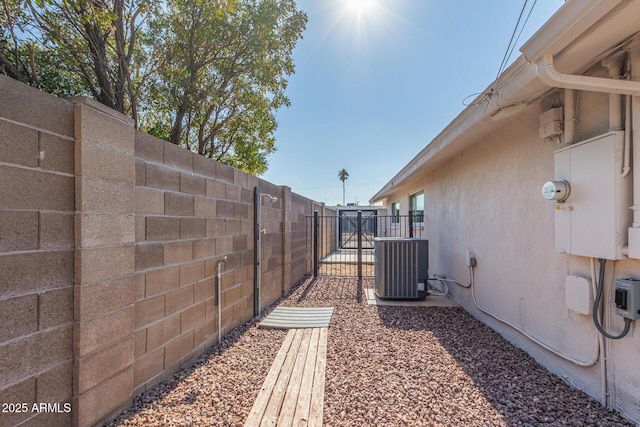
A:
[(343, 175), (11, 56), (227, 64), (207, 75), (95, 42)]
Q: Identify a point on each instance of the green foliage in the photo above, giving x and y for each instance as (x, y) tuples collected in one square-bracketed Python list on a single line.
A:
[(225, 72), (90, 46), (208, 75)]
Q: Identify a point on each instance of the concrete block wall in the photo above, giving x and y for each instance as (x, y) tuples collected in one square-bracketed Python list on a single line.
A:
[(36, 254), (300, 247), (190, 213), (328, 230), (109, 241), (272, 243), (105, 262)]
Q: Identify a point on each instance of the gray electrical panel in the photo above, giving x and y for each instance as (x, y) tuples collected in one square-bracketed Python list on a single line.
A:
[(627, 298)]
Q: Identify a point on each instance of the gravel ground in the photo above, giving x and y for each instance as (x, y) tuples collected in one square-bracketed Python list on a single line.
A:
[(386, 366)]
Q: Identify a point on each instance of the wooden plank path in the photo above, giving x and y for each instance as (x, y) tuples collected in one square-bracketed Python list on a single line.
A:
[(293, 392)]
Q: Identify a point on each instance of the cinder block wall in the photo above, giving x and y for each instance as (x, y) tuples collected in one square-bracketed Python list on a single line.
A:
[(328, 231), (109, 241), (190, 213), (300, 253), (105, 262), (36, 253)]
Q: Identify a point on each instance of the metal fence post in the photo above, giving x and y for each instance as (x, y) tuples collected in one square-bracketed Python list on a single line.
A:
[(410, 223), (359, 244), (316, 243), (256, 251)]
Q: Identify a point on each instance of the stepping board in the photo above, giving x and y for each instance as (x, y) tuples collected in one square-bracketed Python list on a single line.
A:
[(293, 392), (298, 318)]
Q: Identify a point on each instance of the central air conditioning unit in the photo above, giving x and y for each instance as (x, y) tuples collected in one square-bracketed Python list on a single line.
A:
[(400, 267)]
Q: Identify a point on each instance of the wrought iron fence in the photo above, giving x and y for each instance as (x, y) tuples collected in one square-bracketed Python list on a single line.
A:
[(342, 244)]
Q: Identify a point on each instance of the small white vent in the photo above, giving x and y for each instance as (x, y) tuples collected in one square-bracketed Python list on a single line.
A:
[(400, 267)]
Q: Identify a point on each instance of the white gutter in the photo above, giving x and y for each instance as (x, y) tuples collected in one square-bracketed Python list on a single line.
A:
[(571, 21)]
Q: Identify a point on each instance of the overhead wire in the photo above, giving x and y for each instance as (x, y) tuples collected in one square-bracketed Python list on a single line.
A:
[(509, 49), (481, 97), (524, 24)]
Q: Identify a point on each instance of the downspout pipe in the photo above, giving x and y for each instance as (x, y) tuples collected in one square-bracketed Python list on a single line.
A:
[(552, 77), (614, 66), (569, 116)]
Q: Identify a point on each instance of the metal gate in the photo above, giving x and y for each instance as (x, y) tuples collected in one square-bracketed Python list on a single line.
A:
[(351, 223), (342, 244)]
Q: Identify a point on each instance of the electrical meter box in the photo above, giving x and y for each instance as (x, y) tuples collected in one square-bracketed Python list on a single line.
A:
[(551, 123), (627, 298), (594, 218)]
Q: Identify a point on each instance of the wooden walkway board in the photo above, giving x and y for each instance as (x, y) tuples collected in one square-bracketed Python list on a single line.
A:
[(293, 391)]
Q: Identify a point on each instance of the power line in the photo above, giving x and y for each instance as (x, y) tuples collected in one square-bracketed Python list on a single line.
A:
[(481, 97), (512, 42)]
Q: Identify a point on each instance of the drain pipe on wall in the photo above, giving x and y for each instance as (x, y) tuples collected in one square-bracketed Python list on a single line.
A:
[(257, 248), (569, 116), (626, 167), (219, 295), (552, 77)]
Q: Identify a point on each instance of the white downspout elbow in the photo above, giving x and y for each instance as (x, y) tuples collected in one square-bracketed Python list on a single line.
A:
[(552, 77)]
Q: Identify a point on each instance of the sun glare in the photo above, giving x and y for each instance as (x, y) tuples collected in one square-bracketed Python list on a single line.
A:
[(360, 6), (360, 22)]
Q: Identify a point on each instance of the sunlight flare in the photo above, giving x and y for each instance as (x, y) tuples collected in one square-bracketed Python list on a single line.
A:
[(360, 6)]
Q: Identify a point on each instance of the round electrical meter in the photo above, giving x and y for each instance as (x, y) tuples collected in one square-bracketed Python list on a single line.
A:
[(556, 190)]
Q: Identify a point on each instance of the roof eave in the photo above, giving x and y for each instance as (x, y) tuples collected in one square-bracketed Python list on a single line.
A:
[(518, 83)]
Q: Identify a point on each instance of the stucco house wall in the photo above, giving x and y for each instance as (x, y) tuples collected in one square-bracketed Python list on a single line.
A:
[(482, 183)]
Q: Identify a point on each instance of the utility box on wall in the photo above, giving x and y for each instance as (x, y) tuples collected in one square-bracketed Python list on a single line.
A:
[(593, 220)]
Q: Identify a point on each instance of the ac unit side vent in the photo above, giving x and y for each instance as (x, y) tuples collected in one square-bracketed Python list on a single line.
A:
[(401, 268)]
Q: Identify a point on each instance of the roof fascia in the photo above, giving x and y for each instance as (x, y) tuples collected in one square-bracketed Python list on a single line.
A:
[(572, 20)]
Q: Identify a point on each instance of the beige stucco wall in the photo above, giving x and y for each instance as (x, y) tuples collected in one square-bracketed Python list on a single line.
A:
[(487, 198)]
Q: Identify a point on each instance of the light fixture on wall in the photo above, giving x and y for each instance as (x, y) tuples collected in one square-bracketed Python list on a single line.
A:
[(272, 199)]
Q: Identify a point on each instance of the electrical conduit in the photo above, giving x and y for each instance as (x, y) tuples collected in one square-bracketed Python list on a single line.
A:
[(596, 351)]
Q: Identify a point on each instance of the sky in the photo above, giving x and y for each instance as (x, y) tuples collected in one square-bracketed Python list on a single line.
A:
[(377, 80)]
